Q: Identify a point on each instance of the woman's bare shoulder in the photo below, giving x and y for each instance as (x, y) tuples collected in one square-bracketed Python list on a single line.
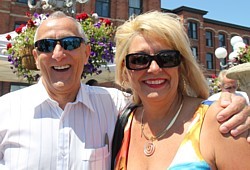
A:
[(216, 147)]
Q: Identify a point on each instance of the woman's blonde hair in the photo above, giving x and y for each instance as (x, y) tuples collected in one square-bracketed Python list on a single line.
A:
[(169, 28)]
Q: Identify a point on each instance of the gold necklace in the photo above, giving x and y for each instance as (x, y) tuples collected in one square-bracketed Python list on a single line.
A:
[(149, 147)]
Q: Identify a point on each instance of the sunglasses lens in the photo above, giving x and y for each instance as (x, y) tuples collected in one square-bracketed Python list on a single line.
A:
[(71, 43), (169, 59), (68, 43), (165, 59), (137, 61), (45, 45)]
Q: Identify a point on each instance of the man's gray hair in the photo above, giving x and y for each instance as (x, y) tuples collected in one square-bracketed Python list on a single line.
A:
[(60, 14)]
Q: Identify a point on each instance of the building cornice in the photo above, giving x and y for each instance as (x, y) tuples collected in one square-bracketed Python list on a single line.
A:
[(187, 9), (211, 21)]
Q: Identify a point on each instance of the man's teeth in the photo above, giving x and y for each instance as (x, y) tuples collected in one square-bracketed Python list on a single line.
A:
[(155, 81), (61, 67)]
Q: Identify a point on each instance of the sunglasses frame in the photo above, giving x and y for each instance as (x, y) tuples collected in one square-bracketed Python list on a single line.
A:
[(154, 57), (60, 41)]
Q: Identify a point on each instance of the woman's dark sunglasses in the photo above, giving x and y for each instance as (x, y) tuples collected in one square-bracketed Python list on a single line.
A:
[(165, 59), (68, 43)]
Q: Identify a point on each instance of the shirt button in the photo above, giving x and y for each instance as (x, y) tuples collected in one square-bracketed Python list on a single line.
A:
[(63, 154)]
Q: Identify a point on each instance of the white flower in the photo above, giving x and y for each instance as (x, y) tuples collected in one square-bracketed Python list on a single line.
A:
[(40, 19), (95, 16)]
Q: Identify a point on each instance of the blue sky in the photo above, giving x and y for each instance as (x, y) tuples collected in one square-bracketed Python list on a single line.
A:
[(230, 11)]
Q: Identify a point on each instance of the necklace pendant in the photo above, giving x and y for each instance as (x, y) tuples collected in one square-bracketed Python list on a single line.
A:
[(149, 148)]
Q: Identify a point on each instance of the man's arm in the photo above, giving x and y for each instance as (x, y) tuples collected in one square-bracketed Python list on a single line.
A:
[(236, 115)]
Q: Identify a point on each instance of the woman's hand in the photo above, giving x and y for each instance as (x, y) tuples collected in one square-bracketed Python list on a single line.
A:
[(235, 118)]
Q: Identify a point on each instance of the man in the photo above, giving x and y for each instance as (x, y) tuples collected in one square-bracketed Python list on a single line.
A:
[(228, 85), (60, 123)]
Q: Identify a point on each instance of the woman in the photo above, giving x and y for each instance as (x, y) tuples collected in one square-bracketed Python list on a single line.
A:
[(170, 127)]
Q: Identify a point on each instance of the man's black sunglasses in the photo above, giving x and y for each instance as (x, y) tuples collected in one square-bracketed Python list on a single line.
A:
[(68, 43), (165, 59)]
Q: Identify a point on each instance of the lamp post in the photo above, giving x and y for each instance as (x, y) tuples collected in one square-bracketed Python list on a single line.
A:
[(221, 52), (67, 6)]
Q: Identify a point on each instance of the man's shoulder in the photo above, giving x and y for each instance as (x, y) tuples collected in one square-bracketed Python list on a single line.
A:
[(96, 95), (19, 97), (23, 91), (215, 96), (99, 90), (241, 93)]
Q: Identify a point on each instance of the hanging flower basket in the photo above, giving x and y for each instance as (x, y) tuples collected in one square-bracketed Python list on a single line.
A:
[(27, 59), (28, 62), (100, 32)]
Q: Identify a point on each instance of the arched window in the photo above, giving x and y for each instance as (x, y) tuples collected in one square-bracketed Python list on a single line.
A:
[(192, 30), (209, 39)]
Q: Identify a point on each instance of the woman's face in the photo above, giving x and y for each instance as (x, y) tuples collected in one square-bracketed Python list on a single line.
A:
[(153, 83)]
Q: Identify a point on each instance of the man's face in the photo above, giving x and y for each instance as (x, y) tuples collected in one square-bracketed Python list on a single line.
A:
[(229, 85), (61, 68)]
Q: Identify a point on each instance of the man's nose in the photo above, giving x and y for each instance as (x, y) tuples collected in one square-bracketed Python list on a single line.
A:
[(58, 52)]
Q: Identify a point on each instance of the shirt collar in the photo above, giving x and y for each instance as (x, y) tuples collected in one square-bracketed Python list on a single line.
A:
[(83, 97)]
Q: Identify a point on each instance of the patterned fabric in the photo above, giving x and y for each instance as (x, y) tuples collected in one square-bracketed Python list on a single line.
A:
[(36, 134), (188, 156)]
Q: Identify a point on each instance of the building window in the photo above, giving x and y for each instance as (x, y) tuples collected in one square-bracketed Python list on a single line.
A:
[(209, 39), (18, 23), (195, 52), (22, 1), (102, 8), (135, 7), (17, 86), (192, 30), (209, 61), (246, 40), (222, 40)]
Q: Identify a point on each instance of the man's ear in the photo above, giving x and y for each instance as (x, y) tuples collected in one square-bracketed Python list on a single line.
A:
[(35, 54), (87, 53)]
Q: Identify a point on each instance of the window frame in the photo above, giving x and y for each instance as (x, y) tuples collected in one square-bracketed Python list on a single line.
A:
[(134, 9), (22, 1), (210, 62), (246, 40), (17, 86), (103, 12), (193, 30), (222, 40), (195, 52), (209, 38)]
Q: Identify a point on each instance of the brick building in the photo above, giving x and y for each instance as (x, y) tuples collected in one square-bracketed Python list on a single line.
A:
[(205, 34)]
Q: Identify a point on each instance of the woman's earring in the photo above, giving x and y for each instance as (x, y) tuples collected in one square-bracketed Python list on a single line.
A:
[(184, 86)]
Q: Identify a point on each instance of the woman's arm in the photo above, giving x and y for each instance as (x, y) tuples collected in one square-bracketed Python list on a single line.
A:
[(223, 151)]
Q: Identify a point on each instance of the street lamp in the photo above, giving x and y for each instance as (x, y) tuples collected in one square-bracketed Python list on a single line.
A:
[(68, 6), (221, 52), (238, 70)]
